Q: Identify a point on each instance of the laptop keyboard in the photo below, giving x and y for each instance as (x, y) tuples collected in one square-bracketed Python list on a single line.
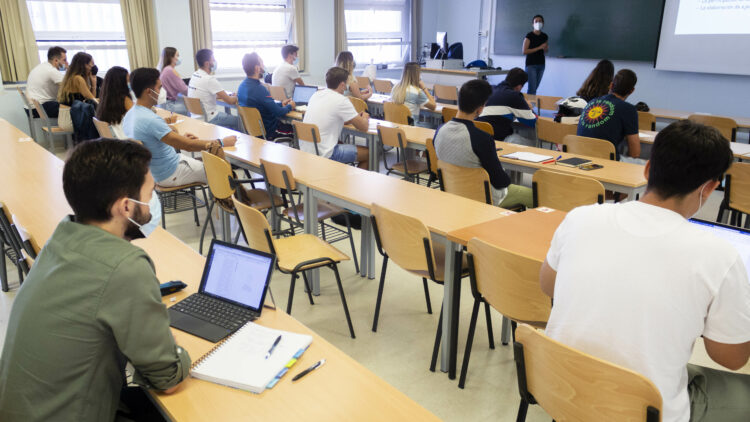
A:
[(215, 311)]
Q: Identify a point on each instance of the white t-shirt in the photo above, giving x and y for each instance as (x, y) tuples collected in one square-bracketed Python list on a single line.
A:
[(329, 110), (637, 284), (284, 76), (43, 82), (204, 87)]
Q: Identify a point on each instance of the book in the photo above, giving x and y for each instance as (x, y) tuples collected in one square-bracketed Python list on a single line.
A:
[(239, 361), (528, 156), (573, 162)]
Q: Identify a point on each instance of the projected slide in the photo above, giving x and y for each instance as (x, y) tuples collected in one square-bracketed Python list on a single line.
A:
[(713, 17)]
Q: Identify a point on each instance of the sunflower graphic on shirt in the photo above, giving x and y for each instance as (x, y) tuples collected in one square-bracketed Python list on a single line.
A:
[(597, 113)]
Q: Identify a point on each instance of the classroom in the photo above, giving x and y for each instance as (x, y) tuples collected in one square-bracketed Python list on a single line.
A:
[(488, 210)]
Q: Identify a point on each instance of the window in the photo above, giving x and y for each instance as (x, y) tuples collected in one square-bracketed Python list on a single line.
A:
[(378, 30), (239, 27), (91, 26)]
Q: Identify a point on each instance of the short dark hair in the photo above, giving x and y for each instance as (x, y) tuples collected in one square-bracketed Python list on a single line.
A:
[(55, 52), (203, 55), (142, 79), (249, 61), (516, 76), (100, 172), (686, 155), (288, 49), (624, 82), (473, 94), (336, 75), (537, 16)]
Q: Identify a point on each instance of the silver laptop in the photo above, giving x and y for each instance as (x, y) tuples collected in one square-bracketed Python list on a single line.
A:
[(738, 237), (301, 95)]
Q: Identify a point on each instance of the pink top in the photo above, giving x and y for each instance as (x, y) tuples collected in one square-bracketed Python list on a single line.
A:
[(172, 83)]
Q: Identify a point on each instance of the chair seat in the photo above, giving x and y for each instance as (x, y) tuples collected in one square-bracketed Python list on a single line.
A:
[(415, 166), (57, 130), (166, 189), (294, 250), (438, 262), (260, 201), (325, 211)]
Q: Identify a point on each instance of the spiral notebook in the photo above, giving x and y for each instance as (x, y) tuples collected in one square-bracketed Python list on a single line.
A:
[(239, 361)]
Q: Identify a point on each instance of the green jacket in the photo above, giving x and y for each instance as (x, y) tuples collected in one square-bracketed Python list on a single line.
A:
[(90, 303)]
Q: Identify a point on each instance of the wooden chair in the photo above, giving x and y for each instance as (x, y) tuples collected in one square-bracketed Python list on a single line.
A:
[(725, 125), (446, 94), (363, 82), (408, 242), (50, 130), (195, 106), (396, 113), (432, 161), (548, 130), (103, 128), (277, 93), (253, 124), (29, 110), (485, 126), (12, 248), (545, 102), (646, 121), (571, 385), (472, 183), (565, 191), (281, 177), (294, 255), (736, 194), (449, 113), (410, 169), (507, 282), (307, 132), (590, 147), (382, 86), (359, 104)]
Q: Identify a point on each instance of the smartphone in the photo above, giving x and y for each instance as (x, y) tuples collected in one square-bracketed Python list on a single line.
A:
[(590, 166)]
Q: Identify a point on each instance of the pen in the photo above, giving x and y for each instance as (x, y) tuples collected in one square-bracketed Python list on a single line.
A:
[(310, 369), (273, 346)]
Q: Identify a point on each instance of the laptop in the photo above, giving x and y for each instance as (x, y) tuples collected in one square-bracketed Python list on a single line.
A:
[(738, 237), (232, 292), (301, 95)]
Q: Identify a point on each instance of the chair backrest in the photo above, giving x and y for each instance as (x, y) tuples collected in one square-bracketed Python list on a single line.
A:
[(590, 147), (445, 93), (738, 187), (218, 172), (646, 121), (432, 159), (396, 113), (103, 128), (382, 86), (403, 238), (449, 113), (485, 126), (571, 385), (550, 131), (544, 102), (363, 82), (42, 114), (277, 92), (392, 136), (278, 175), (251, 120), (194, 106), (725, 125), (254, 225), (25, 99), (472, 183), (358, 104), (307, 132), (565, 191), (508, 282)]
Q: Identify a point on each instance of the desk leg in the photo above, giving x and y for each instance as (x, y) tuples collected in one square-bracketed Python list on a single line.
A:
[(311, 227), (226, 229), (372, 145), (505, 333), (451, 302), (368, 248), (364, 260)]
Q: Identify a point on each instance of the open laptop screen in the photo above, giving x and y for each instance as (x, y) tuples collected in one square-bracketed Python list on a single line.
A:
[(739, 238), (237, 274), (303, 93)]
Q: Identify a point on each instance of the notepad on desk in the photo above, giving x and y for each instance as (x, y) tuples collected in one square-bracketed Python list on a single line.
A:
[(528, 156), (572, 162), (240, 360)]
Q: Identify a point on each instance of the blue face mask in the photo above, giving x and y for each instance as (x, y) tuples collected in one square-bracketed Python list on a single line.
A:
[(214, 66), (129, 87), (296, 61), (178, 62), (154, 206)]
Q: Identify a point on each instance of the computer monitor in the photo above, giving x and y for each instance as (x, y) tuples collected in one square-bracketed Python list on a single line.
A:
[(739, 238), (302, 94), (442, 40)]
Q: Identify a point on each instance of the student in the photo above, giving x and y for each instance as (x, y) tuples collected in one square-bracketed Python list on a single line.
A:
[(140, 123), (252, 93), (330, 110), (535, 44), (172, 82), (286, 74), (507, 104), (345, 60), (115, 101), (412, 92), (598, 82), (43, 82), (636, 284), (460, 143), (204, 86), (91, 301), (78, 82), (97, 89), (611, 118)]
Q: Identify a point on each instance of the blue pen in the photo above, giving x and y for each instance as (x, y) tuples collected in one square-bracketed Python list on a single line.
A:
[(273, 346)]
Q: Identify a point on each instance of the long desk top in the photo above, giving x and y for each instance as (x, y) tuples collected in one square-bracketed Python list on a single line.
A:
[(664, 113), (739, 149)]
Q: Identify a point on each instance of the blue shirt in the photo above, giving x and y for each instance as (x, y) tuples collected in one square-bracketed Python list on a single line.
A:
[(609, 118), (505, 105), (144, 125), (252, 93)]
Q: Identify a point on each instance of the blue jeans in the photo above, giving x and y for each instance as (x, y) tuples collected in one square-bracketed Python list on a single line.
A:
[(175, 106), (229, 121), (535, 72), (344, 153)]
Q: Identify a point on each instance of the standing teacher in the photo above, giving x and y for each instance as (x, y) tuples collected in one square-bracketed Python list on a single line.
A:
[(534, 46)]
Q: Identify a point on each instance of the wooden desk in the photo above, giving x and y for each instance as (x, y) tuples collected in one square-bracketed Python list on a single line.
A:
[(667, 114), (456, 77), (740, 150)]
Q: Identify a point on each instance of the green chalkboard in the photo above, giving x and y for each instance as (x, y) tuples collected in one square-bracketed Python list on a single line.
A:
[(594, 29)]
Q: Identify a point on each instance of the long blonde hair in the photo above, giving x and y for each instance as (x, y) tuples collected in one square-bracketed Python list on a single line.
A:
[(345, 60), (409, 77)]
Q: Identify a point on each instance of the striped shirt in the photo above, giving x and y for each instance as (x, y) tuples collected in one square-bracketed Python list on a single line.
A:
[(503, 107)]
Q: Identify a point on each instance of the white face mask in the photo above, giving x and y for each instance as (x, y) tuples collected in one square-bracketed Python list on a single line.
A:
[(538, 26), (700, 200), (154, 207)]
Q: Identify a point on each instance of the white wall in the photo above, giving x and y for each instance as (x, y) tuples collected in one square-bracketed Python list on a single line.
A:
[(173, 30)]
